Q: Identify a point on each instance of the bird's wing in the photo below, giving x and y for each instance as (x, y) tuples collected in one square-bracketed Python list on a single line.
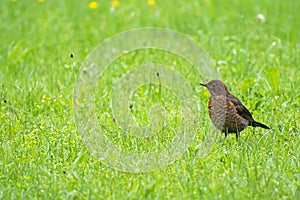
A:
[(240, 108)]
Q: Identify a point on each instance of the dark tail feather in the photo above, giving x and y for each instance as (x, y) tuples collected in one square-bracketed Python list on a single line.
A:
[(257, 124)]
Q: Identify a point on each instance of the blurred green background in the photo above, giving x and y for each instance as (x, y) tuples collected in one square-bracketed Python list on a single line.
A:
[(255, 46)]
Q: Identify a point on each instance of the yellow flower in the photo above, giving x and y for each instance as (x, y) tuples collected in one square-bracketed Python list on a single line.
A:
[(93, 5), (151, 2), (41, 1), (115, 3)]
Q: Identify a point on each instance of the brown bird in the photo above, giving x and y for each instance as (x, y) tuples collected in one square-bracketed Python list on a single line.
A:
[(226, 112)]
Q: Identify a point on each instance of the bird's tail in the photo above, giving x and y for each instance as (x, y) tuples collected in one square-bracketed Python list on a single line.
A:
[(258, 124)]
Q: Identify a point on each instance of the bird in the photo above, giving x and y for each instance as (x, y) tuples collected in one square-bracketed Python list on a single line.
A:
[(226, 111)]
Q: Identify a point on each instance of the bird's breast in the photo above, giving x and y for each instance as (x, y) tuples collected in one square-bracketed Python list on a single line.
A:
[(224, 115)]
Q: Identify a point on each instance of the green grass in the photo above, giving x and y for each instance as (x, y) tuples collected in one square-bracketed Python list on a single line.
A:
[(42, 156)]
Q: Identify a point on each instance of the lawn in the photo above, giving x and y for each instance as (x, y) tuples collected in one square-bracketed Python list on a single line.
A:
[(45, 46)]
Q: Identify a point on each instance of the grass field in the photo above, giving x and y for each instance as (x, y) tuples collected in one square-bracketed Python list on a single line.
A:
[(43, 156)]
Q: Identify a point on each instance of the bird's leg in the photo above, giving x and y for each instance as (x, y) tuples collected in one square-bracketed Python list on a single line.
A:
[(237, 136), (226, 133), (223, 141)]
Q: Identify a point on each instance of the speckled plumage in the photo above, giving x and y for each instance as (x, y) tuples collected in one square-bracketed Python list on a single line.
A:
[(227, 113)]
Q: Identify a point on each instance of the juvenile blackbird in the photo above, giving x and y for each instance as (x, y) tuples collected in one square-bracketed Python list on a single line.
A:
[(227, 113)]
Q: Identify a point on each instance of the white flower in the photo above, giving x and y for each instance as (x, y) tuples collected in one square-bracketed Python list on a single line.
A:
[(261, 17)]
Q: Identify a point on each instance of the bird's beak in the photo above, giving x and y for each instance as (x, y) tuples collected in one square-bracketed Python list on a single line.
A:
[(203, 84)]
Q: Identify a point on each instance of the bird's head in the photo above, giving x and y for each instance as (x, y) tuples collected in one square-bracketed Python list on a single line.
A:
[(216, 87)]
